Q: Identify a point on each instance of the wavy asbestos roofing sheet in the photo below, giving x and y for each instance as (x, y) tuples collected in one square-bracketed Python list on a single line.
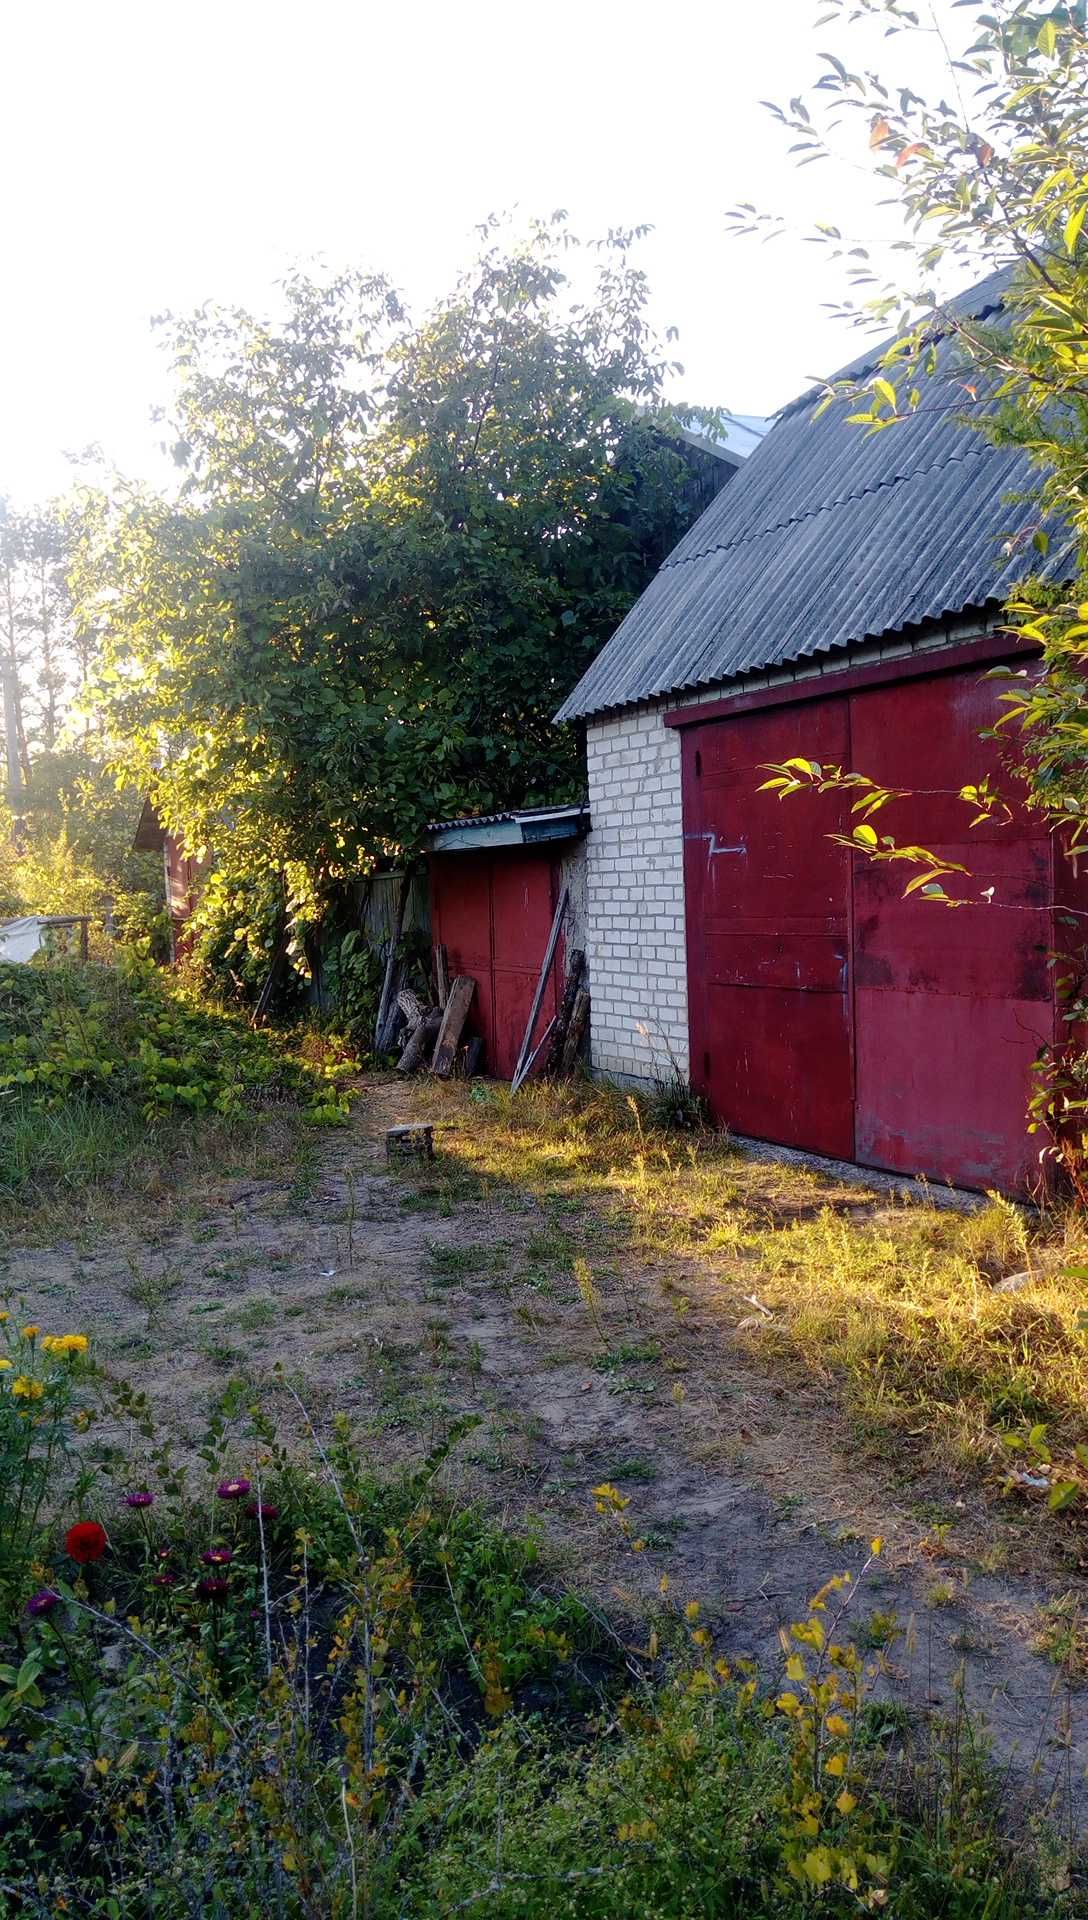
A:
[(828, 537)]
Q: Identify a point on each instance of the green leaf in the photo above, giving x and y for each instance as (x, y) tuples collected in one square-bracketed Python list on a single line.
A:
[(1062, 1495), (1072, 230)]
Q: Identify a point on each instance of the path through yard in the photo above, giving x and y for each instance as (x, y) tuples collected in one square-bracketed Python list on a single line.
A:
[(408, 1299)]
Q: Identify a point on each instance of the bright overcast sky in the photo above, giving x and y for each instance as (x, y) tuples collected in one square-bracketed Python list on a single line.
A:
[(157, 154)]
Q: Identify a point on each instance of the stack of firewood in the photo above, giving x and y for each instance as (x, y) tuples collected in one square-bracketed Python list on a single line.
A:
[(432, 1031)]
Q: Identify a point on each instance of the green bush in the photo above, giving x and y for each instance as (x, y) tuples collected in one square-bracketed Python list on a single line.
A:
[(130, 1037)]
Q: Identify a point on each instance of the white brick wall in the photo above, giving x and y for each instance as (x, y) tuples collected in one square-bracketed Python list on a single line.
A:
[(634, 886)]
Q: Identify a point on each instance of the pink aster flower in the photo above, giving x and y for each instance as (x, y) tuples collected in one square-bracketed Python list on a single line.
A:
[(232, 1489), (42, 1602), (140, 1498), (217, 1556), (210, 1588)]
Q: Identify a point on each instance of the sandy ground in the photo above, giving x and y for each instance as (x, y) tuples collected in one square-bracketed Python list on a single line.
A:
[(406, 1299)]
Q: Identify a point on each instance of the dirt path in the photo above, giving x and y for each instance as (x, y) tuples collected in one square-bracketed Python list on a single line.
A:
[(408, 1300)]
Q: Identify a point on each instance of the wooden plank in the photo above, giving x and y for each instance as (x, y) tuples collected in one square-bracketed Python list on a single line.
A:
[(573, 1043), (264, 998), (441, 977), (575, 968), (537, 1050), (388, 988), (522, 1067), (453, 1021)]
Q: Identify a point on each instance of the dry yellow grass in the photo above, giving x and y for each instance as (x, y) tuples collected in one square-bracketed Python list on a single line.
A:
[(894, 1303)]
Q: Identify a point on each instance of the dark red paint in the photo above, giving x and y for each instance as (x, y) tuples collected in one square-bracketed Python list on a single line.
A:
[(826, 1011), (768, 934), (493, 913)]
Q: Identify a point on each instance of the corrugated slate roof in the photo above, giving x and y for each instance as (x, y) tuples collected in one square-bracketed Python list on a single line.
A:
[(828, 537)]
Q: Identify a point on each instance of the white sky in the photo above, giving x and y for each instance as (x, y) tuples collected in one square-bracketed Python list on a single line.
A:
[(156, 153)]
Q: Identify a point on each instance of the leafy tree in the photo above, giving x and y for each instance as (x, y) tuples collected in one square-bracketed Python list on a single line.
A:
[(41, 650), (393, 550)]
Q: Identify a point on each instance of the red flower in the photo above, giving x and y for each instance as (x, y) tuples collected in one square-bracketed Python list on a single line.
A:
[(212, 1589), (262, 1510), (86, 1541)]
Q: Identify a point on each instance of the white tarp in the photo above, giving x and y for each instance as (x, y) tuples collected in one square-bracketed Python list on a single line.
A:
[(20, 940)]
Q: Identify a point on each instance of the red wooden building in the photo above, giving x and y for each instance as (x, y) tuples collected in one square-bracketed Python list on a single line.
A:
[(842, 602)]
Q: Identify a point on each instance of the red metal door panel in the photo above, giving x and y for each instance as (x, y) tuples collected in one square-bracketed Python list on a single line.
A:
[(768, 932), (943, 1083), (951, 1004), (523, 907), (461, 922), (493, 913)]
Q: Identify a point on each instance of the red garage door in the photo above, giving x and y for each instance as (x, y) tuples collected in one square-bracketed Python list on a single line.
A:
[(767, 903), (827, 1012), (493, 913)]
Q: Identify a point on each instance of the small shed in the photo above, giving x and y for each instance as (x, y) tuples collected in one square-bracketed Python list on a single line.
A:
[(495, 883)]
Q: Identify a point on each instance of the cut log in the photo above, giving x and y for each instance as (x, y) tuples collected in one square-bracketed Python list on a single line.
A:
[(412, 1007), (413, 1142), (441, 978), (420, 1042), (575, 969), (453, 1022), (572, 1045), (387, 1032)]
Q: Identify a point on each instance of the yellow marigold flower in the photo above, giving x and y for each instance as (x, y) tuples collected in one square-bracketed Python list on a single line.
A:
[(65, 1343), (26, 1389), (4, 1315), (4, 1365), (30, 1331)]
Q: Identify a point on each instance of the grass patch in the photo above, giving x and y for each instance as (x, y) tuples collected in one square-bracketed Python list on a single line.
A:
[(1062, 1635), (451, 1262), (894, 1304)]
